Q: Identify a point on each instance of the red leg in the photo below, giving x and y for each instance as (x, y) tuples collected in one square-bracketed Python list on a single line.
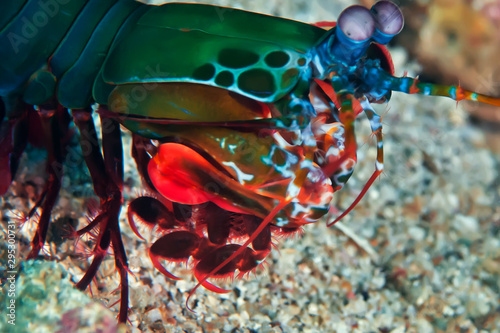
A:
[(142, 150), (106, 171), (55, 122), (151, 213), (14, 126)]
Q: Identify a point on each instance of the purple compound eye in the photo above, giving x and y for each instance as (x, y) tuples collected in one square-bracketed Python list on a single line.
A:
[(356, 23), (388, 18)]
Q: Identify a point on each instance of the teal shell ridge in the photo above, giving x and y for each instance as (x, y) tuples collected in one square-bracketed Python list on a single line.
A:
[(101, 89), (255, 55), (78, 36), (9, 9), (26, 43), (235, 23), (75, 86)]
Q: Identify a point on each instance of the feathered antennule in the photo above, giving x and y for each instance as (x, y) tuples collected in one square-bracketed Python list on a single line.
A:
[(414, 86)]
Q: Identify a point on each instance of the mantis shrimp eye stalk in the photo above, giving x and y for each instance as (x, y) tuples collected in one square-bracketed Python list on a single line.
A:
[(389, 21), (356, 26)]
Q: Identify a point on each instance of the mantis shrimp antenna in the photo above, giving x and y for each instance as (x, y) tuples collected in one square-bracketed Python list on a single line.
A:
[(414, 86)]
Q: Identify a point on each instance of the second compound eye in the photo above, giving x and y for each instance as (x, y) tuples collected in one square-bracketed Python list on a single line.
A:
[(388, 18)]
